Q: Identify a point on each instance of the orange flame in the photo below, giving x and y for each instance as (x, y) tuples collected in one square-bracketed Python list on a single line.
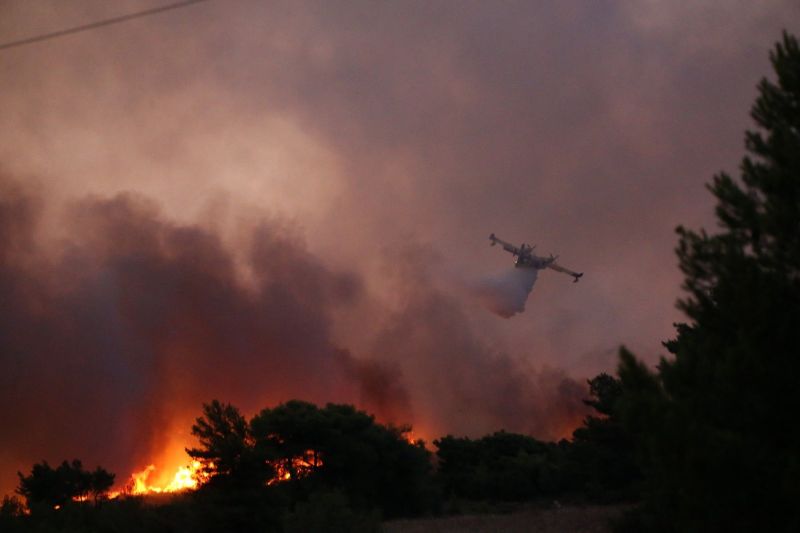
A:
[(186, 478), (191, 477), (299, 467)]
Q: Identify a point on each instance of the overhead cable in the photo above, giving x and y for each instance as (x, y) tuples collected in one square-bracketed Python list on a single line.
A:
[(98, 24)]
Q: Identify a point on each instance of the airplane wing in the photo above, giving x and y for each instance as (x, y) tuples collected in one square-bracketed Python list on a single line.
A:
[(558, 268), (506, 246)]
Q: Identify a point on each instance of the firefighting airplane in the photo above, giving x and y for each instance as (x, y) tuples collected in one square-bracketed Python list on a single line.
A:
[(525, 258)]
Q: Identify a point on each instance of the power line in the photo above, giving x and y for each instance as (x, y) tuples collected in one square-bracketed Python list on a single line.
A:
[(98, 24)]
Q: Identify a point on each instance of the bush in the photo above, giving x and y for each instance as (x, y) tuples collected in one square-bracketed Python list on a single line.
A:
[(330, 512)]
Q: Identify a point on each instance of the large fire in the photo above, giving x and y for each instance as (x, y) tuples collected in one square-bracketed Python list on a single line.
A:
[(186, 478), (193, 476)]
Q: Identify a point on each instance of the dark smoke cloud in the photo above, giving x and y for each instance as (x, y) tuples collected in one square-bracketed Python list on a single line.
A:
[(139, 320), (122, 333), (459, 382), (588, 128)]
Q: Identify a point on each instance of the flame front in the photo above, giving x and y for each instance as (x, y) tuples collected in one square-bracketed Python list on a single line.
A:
[(186, 478), (194, 475)]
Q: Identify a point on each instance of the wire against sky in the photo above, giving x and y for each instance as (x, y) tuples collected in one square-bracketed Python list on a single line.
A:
[(98, 24)]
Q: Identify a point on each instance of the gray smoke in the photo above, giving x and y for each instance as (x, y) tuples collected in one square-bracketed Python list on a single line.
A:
[(123, 330)]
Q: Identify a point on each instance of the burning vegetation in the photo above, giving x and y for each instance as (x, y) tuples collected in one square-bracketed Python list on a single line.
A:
[(70, 483), (188, 477), (719, 403), (294, 443), (304, 451), (296, 467)]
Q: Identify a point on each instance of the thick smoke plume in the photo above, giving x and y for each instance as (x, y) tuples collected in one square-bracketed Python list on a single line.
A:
[(505, 293), (364, 127), (112, 339)]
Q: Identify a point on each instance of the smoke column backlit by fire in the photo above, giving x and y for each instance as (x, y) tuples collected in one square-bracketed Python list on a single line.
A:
[(124, 317), (133, 309)]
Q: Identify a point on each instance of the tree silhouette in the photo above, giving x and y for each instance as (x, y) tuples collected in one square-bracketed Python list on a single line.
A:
[(305, 449), (292, 436), (501, 466), (339, 447), (715, 423), (100, 482), (227, 452), (605, 391), (601, 455), (46, 487)]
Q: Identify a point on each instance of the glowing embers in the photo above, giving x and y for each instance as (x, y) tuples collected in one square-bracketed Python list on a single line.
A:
[(296, 467)]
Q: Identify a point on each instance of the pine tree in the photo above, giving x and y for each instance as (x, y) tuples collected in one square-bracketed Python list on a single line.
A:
[(716, 423)]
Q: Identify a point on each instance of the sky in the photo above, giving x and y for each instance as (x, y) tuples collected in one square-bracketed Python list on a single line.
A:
[(259, 201)]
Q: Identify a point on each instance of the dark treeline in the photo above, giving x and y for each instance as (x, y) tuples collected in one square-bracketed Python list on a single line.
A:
[(714, 424), (51, 487), (597, 465), (705, 442), (300, 467)]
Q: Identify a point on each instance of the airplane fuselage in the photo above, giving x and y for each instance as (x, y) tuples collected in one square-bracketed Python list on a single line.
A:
[(525, 258), (531, 261)]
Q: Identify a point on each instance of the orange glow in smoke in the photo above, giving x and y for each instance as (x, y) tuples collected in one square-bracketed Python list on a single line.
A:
[(411, 437)]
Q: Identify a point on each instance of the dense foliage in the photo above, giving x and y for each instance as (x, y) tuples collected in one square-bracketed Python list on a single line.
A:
[(501, 466), (597, 465), (713, 424), (600, 462), (47, 487), (296, 466), (335, 447), (227, 448)]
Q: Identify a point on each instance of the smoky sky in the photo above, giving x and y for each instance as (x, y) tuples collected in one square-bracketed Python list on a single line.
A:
[(121, 332), (127, 326), (299, 190)]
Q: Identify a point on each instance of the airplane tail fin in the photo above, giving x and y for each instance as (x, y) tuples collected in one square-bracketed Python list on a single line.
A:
[(493, 239), (578, 277)]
